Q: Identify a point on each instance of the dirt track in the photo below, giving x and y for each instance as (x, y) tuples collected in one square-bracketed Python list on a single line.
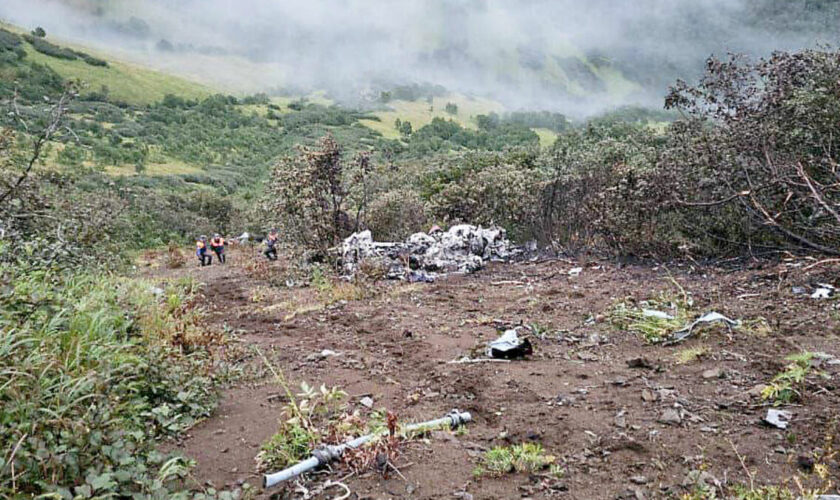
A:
[(577, 395)]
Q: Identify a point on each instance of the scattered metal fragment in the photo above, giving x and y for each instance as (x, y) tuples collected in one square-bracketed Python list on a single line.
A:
[(468, 360), (824, 291), (778, 418), (326, 454), (652, 313), (510, 345), (710, 317)]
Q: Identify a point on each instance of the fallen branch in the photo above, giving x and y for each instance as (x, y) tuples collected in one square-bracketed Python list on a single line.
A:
[(820, 263)]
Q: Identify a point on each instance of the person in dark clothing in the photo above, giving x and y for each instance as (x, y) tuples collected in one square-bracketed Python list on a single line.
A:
[(217, 244), (271, 245), (204, 258)]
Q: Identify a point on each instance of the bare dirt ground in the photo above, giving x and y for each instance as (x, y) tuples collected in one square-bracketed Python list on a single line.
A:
[(581, 395)]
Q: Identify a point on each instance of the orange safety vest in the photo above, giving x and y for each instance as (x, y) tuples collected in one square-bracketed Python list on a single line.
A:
[(217, 243), (199, 244)]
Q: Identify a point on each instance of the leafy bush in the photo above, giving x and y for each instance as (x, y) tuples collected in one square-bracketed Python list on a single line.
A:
[(10, 42), (311, 195), (41, 45), (50, 49), (525, 457), (395, 214), (759, 150), (86, 391)]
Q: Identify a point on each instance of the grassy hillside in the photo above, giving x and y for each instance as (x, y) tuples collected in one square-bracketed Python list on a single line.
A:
[(129, 83), (125, 82), (421, 112)]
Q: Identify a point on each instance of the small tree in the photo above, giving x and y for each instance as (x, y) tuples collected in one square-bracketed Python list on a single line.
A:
[(311, 194), (405, 129), (39, 32), (760, 140), (451, 108)]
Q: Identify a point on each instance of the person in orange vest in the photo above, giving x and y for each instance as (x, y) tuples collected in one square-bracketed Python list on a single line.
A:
[(201, 251), (271, 245), (217, 244)]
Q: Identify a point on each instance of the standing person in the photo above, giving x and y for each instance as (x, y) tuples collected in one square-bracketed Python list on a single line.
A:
[(217, 244), (271, 245), (201, 251)]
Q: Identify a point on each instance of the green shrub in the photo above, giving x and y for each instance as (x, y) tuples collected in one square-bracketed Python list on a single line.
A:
[(395, 214), (85, 392)]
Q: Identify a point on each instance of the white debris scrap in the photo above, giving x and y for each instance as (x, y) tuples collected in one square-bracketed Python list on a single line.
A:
[(653, 313), (824, 291), (710, 317), (778, 418), (421, 257)]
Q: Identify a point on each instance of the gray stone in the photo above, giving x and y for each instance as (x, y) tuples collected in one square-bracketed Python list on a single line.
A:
[(670, 417)]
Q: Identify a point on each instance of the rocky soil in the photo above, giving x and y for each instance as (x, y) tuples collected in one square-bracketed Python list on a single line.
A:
[(624, 419)]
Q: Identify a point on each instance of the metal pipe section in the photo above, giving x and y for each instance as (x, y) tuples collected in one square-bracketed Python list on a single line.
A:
[(326, 454)]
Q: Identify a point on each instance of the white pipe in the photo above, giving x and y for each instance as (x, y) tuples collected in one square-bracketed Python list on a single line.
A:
[(326, 454)]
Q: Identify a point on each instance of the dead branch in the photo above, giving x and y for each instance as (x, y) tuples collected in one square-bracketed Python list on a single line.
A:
[(56, 115)]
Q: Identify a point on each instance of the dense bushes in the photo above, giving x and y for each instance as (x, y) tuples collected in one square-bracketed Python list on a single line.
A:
[(93, 368), (751, 166), (444, 135), (87, 388), (53, 50), (761, 141)]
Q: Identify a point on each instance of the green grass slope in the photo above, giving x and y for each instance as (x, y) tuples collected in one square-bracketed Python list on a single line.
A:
[(125, 82)]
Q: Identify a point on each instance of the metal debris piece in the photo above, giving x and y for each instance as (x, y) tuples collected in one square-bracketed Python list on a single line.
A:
[(711, 317), (575, 271), (422, 257), (824, 291), (778, 418), (652, 313), (510, 345)]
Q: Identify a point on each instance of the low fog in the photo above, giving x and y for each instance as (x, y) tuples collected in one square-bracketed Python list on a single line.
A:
[(577, 57)]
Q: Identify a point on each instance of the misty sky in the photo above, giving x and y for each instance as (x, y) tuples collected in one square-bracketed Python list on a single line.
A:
[(574, 56)]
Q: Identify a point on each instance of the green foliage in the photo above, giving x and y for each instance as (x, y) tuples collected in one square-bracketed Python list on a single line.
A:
[(395, 214), (299, 432), (556, 122), (41, 45), (443, 135), (654, 319), (487, 188), (85, 392), (451, 108), (743, 492), (10, 46), (288, 446), (785, 387), (525, 457), (315, 199)]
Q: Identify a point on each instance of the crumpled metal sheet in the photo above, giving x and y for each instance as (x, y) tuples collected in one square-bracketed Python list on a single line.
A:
[(510, 346), (462, 249), (710, 317), (779, 419)]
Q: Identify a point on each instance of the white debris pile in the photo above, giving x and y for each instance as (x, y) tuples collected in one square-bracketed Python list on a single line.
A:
[(422, 257)]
